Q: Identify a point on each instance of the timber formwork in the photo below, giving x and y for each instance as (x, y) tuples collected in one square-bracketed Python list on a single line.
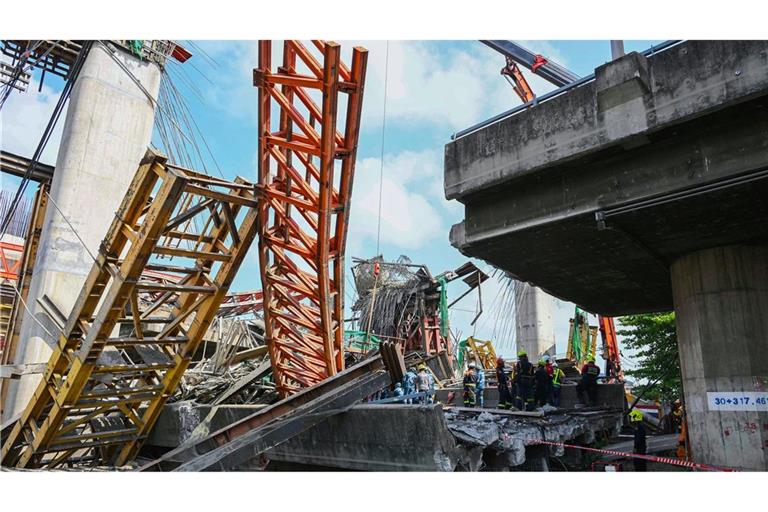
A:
[(118, 360), (306, 168)]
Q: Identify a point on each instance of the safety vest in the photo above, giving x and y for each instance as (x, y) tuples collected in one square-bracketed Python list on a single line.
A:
[(557, 373)]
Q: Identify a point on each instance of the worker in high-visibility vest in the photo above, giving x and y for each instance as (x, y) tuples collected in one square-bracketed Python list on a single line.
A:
[(557, 381), (636, 419)]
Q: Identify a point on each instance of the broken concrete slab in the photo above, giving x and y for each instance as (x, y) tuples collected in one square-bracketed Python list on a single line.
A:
[(376, 438)]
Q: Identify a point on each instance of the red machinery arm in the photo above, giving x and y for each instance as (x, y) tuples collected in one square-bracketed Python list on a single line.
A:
[(613, 369)]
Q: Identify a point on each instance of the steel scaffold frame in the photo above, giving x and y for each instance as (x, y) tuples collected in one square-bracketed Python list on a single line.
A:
[(119, 358), (305, 205), (23, 280)]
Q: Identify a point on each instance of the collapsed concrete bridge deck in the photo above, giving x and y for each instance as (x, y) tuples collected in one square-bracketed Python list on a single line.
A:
[(397, 437)]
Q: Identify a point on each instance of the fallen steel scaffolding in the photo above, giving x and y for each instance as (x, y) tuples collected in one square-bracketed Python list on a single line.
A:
[(118, 359), (244, 441)]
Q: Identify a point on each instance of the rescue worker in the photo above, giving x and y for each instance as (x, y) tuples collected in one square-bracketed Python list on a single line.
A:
[(409, 383), (398, 392), (505, 396), (424, 384), (548, 361), (541, 384), (588, 383), (557, 381), (480, 388), (677, 416), (636, 420), (470, 386), (523, 382)]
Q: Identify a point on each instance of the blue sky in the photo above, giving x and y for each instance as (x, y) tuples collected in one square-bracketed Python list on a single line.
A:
[(434, 88)]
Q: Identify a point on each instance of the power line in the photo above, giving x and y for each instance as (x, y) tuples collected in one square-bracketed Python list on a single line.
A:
[(65, 93), (383, 134)]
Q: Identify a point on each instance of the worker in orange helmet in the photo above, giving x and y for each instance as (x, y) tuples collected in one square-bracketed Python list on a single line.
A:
[(505, 395)]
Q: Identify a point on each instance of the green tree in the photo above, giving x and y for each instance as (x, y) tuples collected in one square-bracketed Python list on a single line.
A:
[(653, 337)]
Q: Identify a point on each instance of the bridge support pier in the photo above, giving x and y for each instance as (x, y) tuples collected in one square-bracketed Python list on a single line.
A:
[(721, 306)]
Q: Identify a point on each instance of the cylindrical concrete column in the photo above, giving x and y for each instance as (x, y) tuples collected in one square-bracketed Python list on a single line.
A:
[(721, 306), (107, 129), (534, 323)]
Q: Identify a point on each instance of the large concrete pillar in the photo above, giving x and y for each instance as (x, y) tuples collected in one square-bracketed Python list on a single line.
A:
[(534, 322), (108, 126), (721, 306)]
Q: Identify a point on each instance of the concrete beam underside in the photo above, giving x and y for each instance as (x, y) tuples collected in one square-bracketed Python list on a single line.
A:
[(532, 184)]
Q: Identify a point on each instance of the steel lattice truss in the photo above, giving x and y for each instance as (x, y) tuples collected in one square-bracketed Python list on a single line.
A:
[(119, 358), (306, 166)]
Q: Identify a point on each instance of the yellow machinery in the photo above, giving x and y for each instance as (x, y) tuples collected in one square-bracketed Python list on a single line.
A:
[(482, 351), (582, 341)]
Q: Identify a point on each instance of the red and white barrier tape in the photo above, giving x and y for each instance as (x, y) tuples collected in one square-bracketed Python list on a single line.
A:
[(652, 458)]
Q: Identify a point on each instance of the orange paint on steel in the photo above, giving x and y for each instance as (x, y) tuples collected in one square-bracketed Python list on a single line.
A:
[(10, 260), (306, 169)]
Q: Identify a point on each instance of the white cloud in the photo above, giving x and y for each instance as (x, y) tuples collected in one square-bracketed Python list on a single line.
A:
[(409, 218), (23, 121), (451, 88)]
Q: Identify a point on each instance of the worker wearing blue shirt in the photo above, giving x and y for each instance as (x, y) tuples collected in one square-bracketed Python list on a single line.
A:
[(480, 387)]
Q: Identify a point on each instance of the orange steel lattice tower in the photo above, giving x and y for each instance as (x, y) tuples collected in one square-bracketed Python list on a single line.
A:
[(306, 166)]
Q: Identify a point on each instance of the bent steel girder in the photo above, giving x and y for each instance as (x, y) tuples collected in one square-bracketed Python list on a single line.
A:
[(118, 359), (306, 167)]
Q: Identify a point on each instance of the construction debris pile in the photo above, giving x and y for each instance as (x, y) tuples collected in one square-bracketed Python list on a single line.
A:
[(403, 301), (237, 372), (501, 438)]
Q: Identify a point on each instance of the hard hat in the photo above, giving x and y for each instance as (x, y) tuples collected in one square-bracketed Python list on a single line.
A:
[(422, 367), (398, 385), (591, 359), (472, 365), (542, 362), (546, 357), (500, 361), (521, 353), (635, 415)]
